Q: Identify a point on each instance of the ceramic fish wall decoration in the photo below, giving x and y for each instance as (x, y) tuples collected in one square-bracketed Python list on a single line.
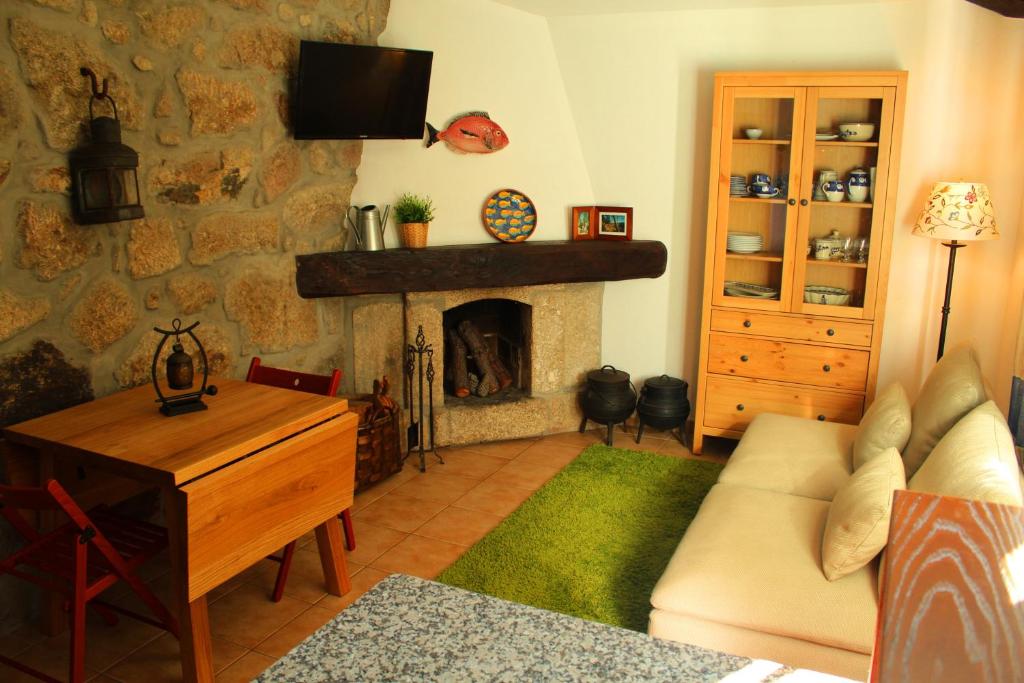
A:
[(473, 132)]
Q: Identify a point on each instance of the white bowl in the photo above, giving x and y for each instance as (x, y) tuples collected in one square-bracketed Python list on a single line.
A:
[(830, 296), (857, 132), (753, 133)]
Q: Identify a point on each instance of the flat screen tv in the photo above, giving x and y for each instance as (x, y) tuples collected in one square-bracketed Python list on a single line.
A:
[(354, 92)]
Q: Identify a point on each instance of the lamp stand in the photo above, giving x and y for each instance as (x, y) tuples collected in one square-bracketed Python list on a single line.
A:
[(952, 246)]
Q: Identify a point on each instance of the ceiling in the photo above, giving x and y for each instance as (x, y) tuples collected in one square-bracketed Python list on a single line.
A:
[(557, 8)]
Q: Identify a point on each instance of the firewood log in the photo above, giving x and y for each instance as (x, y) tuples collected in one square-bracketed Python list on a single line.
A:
[(489, 382), (481, 351), (457, 364)]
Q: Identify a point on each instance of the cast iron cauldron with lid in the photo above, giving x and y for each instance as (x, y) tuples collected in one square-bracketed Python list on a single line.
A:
[(608, 398), (663, 405)]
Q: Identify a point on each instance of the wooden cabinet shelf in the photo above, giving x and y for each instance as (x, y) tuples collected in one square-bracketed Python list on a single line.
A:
[(757, 200), (783, 354), (842, 204), (844, 143), (835, 264), (748, 141), (759, 256)]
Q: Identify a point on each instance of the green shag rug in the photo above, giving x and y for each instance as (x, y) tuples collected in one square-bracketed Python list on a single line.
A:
[(594, 540)]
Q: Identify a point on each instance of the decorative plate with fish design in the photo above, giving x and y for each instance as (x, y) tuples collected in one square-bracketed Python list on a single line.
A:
[(510, 216)]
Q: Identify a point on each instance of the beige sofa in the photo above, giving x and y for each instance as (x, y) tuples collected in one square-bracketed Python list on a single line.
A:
[(747, 576)]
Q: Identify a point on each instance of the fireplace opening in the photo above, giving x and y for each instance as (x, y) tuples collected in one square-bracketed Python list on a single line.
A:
[(487, 352)]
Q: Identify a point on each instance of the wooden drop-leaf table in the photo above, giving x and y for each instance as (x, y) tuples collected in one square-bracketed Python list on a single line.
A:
[(259, 468)]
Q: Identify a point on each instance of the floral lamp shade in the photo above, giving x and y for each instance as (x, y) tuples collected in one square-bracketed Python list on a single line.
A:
[(959, 212)]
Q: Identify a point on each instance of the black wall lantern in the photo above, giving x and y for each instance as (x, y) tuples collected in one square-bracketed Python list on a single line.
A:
[(104, 171)]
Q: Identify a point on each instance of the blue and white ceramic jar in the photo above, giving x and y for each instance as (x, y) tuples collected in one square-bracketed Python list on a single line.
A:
[(857, 184)]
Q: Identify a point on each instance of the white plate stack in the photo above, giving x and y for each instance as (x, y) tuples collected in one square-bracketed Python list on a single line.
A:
[(750, 290), (737, 186), (744, 242)]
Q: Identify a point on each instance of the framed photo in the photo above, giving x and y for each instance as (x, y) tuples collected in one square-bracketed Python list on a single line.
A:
[(614, 222), (583, 224)]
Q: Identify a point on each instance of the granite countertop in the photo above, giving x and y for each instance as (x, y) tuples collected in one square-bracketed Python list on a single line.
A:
[(409, 629)]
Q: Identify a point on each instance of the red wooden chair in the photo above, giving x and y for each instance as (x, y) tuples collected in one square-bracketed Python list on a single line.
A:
[(325, 385), (79, 560)]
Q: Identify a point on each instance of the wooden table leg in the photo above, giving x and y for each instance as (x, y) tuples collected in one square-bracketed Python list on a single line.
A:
[(193, 615), (332, 557)]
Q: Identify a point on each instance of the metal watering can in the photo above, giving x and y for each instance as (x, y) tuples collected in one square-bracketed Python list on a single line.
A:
[(368, 226)]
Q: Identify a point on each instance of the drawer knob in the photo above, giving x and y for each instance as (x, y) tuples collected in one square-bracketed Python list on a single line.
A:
[(740, 407), (792, 202), (826, 368), (830, 332), (744, 358), (803, 202), (747, 323), (821, 418)]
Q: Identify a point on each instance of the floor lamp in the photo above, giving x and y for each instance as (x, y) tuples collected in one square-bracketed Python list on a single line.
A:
[(956, 213)]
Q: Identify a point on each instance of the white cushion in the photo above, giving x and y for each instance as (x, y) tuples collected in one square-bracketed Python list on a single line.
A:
[(858, 519), (886, 424), (974, 460), (752, 559), (792, 455), (954, 388)]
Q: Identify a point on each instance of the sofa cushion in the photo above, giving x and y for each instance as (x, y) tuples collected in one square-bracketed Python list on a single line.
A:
[(886, 424), (857, 527), (954, 388), (975, 460), (792, 455), (752, 558)]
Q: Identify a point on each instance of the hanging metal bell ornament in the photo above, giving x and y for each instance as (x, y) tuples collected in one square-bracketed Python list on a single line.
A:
[(180, 371), (104, 171)]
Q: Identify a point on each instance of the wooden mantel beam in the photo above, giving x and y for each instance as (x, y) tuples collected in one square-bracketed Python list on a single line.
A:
[(476, 266)]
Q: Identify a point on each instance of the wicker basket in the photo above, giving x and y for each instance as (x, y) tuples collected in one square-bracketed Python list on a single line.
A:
[(378, 449), (414, 235)]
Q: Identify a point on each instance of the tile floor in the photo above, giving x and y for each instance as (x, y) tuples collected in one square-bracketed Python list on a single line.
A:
[(412, 523)]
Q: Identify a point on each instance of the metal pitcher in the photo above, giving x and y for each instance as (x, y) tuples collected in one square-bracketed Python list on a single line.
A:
[(368, 226)]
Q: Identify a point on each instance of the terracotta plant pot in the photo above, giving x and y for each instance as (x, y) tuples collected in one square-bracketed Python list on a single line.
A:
[(414, 235)]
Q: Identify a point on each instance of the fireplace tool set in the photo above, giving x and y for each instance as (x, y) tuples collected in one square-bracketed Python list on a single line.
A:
[(416, 370)]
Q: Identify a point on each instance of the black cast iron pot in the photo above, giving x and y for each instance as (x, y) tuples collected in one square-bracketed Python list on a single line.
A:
[(663, 404), (609, 396)]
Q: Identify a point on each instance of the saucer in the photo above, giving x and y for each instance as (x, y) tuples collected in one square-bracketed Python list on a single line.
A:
[(826, 136)]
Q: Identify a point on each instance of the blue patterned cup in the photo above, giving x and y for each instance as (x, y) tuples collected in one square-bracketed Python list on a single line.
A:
[(834, 190), (761, 178)]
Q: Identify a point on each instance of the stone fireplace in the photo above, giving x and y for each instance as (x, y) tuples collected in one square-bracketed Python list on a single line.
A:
[(549, 334)]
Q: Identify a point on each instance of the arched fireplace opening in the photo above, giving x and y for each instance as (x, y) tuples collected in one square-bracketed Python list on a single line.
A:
[(487, 351)]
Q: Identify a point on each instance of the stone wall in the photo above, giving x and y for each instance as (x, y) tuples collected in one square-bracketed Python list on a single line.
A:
[(202, 88)]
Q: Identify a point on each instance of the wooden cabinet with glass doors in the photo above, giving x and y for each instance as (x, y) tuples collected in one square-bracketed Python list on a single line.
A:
[(796, 268)]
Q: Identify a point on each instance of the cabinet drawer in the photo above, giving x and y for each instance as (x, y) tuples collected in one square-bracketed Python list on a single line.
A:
[(732, 404), (823, 366), (792, 327)]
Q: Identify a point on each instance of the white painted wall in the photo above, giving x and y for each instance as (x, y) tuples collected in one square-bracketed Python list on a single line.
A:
[(486, 57), (640, 89), (615, 109)]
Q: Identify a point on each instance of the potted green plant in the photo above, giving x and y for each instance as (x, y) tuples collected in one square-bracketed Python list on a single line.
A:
[(413, 214)]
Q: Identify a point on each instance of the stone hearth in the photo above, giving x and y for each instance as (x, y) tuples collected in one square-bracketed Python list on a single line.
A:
[(565, 343)]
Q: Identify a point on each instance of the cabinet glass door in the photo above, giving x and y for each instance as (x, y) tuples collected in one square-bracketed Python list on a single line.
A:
[(758, 177), (842, 200)]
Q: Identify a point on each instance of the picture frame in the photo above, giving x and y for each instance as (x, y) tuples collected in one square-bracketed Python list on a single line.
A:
[(614, 222), (583, 222)]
